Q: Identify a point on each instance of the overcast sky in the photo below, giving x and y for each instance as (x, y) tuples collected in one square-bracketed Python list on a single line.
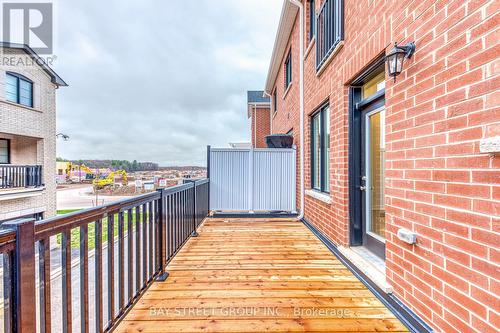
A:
[(159, 80)]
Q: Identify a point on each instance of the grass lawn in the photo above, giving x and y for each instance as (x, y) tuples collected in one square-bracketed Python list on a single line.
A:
[(66, 211), (75, 233)]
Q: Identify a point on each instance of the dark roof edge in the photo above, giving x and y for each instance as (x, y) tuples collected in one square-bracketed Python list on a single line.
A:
[(257, 97), (56, 79)]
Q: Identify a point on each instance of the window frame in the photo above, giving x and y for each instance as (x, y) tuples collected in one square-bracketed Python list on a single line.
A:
[(324, 157), (312, 20), (19, 78), (8, 152), (329, 30), (288, 69)]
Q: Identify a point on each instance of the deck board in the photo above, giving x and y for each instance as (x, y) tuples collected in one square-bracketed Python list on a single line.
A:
[(258, 276)]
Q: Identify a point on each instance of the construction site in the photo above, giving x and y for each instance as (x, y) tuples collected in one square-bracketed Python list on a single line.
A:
[(111, 182)]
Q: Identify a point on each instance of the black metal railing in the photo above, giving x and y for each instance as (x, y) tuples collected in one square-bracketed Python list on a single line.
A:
[(200, 196), (330, 29), (19, 176), (126, 245)]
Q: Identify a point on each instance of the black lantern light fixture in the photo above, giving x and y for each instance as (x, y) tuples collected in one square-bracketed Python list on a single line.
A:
[(396, 57)]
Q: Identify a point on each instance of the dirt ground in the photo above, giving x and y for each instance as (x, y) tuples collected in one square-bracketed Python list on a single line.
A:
[(121, 191)]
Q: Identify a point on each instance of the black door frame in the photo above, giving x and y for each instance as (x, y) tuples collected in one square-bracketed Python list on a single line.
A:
[(356, 149), (376, 102)]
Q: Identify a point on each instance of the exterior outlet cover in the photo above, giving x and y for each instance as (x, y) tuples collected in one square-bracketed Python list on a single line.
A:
[(490, 145), (407, 236)]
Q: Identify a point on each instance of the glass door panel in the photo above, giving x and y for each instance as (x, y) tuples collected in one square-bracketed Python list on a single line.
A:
[(375, 150)]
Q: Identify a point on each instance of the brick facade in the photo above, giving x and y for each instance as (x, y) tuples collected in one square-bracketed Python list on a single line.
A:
[(261, 125), (437, 182), (32, 132)]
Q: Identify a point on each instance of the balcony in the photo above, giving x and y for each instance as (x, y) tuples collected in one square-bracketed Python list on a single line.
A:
[(172, 268), (20, 181)]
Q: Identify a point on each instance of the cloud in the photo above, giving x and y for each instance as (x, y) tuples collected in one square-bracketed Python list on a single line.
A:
[(159, 80)]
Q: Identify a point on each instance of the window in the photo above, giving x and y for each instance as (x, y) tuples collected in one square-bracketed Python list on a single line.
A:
[(288, 70), (312, 19), (4, 151), (275, 100), (374, 85), (320, 149), (329, 29), (19, 89)]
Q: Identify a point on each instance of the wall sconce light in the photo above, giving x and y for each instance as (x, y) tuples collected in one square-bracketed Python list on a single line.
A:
[(396, 57)]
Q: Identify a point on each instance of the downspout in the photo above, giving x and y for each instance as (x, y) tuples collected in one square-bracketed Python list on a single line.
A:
[(255, 125), (270, 112), (301, 88)]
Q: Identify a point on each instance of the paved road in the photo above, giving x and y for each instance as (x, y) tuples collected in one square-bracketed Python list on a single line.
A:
[(77, 197)]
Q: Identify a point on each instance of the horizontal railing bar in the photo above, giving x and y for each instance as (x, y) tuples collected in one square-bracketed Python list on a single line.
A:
[(7, 240), (202, 181), (5, 248), (58, 224), (127, 207), (177, 189)]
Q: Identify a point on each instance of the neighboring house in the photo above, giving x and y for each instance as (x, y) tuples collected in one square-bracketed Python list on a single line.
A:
[(63, 171), (27, 134), (259, 111), (385, 155)]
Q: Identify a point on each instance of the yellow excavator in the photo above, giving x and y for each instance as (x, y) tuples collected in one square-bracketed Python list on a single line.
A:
[(71, 168), (110, 179), (90, 173)]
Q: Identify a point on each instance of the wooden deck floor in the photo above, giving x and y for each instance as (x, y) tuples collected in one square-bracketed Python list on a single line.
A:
[(258, 276)]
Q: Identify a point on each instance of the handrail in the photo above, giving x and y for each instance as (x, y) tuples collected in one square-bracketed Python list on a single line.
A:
[(58, 224), (19, 176), (7, 240), (143, 234)]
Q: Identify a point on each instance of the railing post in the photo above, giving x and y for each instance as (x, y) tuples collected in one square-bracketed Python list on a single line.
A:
[(250, 180), (208, 175), (27, 173), (195, 211), (40, 176), (194, 233), (161, 222), (23, 291)]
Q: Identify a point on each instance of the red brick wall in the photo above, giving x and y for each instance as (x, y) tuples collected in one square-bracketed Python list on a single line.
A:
[(261, 119), (437, 182)]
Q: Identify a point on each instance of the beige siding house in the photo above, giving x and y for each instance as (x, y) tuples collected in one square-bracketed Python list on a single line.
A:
[(27, 134)]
